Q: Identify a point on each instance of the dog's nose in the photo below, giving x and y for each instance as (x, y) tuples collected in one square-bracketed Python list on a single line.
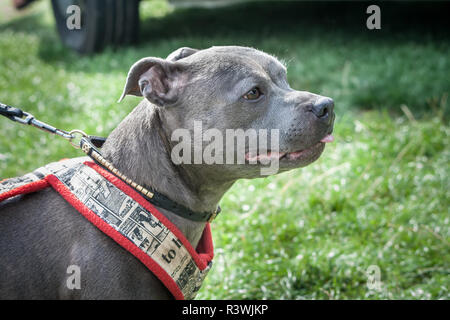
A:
[(323, 107)]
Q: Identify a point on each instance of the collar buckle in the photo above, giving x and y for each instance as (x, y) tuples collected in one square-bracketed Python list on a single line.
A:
[(214, 214)]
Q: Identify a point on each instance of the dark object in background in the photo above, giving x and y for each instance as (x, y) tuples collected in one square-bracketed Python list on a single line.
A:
[(103, 23)]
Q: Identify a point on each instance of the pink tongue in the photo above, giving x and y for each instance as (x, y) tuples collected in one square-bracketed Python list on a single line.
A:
[(328, 138)]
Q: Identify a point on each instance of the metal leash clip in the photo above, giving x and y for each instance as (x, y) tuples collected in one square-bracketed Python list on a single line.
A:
[(74, 134)]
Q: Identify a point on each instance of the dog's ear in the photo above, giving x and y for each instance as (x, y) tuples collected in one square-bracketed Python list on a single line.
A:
[(181, 53), (158, 80)]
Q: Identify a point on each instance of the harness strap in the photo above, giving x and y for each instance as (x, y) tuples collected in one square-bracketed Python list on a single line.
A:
[(124, 215)]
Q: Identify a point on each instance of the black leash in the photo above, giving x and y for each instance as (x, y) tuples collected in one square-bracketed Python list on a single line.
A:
[(89, 144)]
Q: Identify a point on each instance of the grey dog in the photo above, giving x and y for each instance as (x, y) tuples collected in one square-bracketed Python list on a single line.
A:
[(226, 87)]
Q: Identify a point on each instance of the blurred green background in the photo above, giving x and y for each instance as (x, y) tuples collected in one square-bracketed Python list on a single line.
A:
[(378, 196)]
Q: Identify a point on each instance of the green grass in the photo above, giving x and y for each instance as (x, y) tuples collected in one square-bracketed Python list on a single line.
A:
[(378, 196)]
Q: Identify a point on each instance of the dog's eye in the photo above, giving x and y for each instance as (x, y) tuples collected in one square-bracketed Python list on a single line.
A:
[(253, 94)]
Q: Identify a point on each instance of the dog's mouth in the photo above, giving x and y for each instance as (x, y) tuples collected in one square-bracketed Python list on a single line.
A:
[(290, 156)]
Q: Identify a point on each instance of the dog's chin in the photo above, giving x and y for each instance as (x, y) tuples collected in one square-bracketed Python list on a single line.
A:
[(301, 158)]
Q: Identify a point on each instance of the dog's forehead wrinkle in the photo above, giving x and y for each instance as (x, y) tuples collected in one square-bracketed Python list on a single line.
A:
[(231, 77), (227, 75)]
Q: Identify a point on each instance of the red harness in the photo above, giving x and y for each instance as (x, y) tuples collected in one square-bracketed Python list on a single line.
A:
[(189, 266)]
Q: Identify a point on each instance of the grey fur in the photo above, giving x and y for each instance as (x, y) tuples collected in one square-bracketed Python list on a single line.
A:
[(41, 234)]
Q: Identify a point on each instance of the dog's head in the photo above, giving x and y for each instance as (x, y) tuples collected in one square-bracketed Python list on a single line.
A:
[(239, 89)]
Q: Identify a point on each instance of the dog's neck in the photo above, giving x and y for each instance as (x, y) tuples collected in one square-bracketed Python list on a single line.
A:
[(139, 148)]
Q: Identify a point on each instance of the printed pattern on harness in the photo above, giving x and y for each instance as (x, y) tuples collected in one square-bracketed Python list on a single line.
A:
[(125, 215)]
